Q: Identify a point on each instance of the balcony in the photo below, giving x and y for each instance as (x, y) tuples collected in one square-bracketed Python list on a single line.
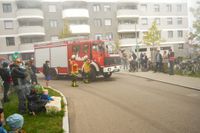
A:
[(30, 13), (127, 42), (80, 29), (127, 13), (75, 13), (31, 31), (127, 28)]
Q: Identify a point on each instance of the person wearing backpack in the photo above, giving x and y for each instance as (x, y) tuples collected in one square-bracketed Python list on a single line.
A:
[(6, 77)]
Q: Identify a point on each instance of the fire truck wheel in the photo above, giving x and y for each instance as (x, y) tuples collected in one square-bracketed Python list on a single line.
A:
[(93, 74), (53, 73), (107, 75)]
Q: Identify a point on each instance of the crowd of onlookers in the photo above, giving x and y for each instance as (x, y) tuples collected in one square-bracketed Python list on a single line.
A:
[(21, 76), (157, 62)]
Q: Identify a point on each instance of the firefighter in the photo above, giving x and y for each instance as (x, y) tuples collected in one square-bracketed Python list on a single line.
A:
[(74, 71), (86, 69)]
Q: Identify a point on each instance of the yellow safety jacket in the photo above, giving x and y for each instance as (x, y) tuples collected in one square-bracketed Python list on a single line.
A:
[(86, 66)]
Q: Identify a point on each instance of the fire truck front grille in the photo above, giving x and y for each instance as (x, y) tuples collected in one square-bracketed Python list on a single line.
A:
[(112, 61)]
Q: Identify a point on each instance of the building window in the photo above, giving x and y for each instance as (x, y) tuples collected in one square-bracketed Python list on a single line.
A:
[(97, 22), (107, 8), (156, 8), (109, 36), (108, 22), (54, 38), (7, 7), (144, 7), (53, 23), (144, 21), (180, 33), (180, 46), (10, 41), (169, 21), (170, 34), (179, 21), (96, 8), (98, 36), (157, 21), (52, 8), (8, 24), (169, 8), (179, 8)]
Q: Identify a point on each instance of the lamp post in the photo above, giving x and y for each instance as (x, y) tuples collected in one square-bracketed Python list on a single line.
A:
[(137, 47)]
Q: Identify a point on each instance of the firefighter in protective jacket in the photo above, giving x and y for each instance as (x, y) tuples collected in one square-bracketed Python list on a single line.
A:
[(86, 69), (74, 71)]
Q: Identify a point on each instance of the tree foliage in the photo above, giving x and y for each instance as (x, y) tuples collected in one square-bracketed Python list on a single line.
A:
[(196, 23), (117, 44), (65, 31), (152, 36)]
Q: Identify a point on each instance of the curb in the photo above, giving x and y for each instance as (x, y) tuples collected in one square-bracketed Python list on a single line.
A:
[(187, 87), (65, 125)]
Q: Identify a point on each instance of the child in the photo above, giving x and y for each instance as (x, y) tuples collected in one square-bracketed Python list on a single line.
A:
[(45, 96), (35, 103), (15, 122)]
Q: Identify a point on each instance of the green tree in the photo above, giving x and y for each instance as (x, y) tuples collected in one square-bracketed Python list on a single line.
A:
[(193, 38), (117, 44), (65, 31), (196, 23), (152, 38)]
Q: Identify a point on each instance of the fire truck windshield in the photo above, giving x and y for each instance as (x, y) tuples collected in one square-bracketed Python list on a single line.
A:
[(99, 46)]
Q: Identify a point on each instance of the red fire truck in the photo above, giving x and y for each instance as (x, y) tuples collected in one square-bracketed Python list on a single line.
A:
[(59, 52)]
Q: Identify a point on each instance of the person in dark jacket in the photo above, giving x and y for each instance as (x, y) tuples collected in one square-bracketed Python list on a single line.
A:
[(6, 77), (46, 71), (19, 81), (33, 76), (158, 58)]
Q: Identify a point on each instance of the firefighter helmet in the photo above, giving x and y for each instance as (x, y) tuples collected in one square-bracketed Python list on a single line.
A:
[(85, 57), (73, 56)]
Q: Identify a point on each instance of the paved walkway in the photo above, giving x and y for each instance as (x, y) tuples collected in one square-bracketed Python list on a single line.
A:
[(188, 82)]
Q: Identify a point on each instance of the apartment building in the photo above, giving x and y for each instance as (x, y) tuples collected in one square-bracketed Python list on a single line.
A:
[(25, 22)]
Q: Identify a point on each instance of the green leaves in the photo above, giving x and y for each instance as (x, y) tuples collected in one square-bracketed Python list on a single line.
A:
[(152, 37), (196, 23)]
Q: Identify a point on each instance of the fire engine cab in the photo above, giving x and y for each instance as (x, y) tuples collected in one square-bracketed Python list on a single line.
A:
[(59, 53)]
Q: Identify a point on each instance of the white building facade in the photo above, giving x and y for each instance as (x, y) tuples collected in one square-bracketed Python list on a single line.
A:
[(25, 22)]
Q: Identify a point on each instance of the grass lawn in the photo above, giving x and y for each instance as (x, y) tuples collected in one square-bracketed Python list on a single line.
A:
[(42, 122)]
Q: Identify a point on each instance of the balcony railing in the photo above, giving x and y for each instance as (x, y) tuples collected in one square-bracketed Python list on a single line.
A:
[(31, 30), (127, 13), (75, 13), (30, 13), (125, 42), (127, 28), (80, 29)]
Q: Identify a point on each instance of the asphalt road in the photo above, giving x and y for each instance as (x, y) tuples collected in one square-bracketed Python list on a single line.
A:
[(127, 104)]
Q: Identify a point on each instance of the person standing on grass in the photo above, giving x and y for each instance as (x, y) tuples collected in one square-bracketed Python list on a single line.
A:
[(19, 81), (6, 77), (46, 72)]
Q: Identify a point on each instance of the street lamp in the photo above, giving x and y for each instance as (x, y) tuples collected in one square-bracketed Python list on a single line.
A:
[(137, 47)]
